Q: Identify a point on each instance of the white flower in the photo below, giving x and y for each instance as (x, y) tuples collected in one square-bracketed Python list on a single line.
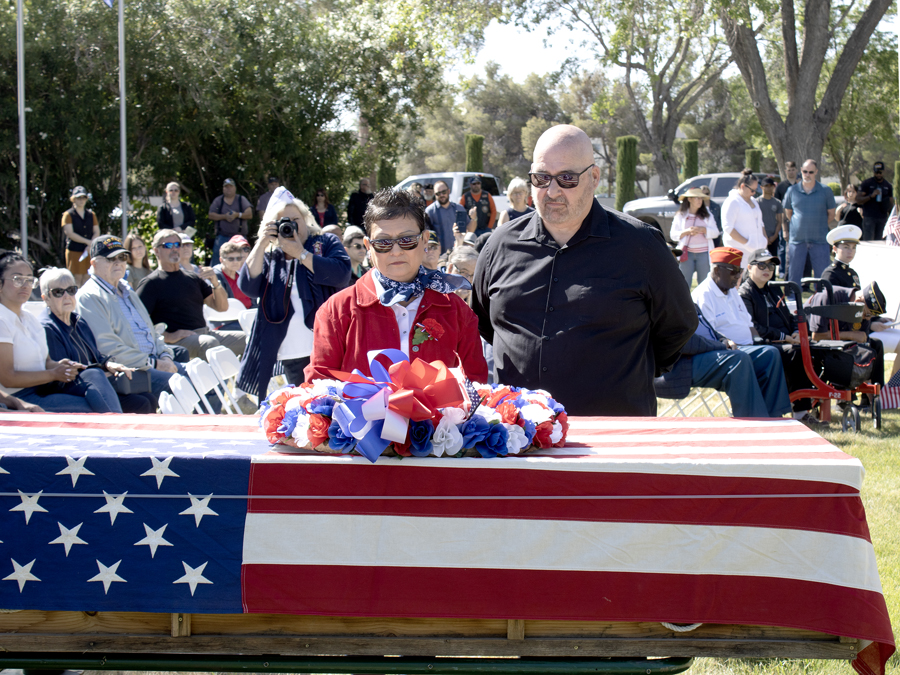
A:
[(489, 414), (293, 402), (517, 439), (447, 439), (556, 436), (300, 430), (536, 413), (320, 387), (454, 415)]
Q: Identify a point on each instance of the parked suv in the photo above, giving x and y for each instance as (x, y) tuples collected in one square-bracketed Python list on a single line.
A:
[(660, 211), (458, 182)]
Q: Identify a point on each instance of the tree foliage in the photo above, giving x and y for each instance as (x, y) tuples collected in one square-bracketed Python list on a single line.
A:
[(626, 169), (225, 88), (474, 152)]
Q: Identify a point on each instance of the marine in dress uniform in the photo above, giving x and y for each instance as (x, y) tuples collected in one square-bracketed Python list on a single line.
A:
[(839, 273)]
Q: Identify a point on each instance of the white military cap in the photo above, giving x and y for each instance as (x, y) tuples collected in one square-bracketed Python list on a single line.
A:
[(844, 233)]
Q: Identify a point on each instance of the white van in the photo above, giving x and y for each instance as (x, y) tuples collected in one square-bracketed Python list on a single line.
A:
[(458, 182)]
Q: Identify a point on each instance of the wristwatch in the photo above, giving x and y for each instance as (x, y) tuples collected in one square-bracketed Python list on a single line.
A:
[(303, 255)]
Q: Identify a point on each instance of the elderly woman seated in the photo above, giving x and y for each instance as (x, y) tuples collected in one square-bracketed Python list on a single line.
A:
[(26, 369), (69, 337)]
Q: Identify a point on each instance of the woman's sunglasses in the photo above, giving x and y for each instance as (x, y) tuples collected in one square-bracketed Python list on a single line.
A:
[(387, 245), (565, 180), (59, 292), (765, 266)]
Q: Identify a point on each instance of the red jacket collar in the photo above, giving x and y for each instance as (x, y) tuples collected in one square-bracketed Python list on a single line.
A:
[(366, 296)]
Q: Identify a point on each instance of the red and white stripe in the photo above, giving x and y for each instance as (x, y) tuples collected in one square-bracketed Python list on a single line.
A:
[(715, 521)]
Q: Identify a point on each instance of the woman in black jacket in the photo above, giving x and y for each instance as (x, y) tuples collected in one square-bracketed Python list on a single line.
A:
[(175, 214), (775, 324)]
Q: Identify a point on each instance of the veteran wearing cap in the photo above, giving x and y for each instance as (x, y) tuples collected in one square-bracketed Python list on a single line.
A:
[(117, 317), (843, 240)]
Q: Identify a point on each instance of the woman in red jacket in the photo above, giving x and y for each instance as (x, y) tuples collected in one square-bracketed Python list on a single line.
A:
[(398, 304)]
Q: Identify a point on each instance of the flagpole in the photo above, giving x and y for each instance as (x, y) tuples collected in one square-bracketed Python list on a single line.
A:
[(23, 186), (122, 145)]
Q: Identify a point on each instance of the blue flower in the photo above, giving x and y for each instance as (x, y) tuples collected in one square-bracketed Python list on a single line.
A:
[(339, 442), (495, 442), (420, 434), (289, 422), (555, 407), (324, 405), (474, 431)]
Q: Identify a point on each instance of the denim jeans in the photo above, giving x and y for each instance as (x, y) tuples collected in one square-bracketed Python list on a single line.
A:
[(96, 389), (65, 403), (698, 262), (220, 239), (818, 255), (752, 377)]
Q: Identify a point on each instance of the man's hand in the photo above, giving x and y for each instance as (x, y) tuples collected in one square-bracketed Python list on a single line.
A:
[(877, 326), (177, 336), (730, 344), (209, 274), (231, 216), (113, 367), (166, 365)]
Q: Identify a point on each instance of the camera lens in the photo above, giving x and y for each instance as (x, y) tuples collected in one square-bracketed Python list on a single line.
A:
[(287, 227)]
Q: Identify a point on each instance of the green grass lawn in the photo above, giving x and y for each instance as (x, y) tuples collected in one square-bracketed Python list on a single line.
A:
[(879, 452)]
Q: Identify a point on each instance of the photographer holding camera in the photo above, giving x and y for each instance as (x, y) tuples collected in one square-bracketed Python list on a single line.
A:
[(292, 269)]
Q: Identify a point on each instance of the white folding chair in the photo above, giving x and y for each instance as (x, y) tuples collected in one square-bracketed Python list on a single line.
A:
[(247, 319), (169, 405), (233, 313), (204, 380), (695, 401), (185, 393), (225, 365), (34, 307)]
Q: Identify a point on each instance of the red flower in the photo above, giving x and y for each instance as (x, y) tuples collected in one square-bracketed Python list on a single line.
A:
[(495, 398), (508, 412), (435, 330), (563, 419), (402, 449), (318, 430), (542, 434)]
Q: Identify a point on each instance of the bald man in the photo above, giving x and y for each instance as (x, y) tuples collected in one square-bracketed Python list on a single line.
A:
[(584, 302)]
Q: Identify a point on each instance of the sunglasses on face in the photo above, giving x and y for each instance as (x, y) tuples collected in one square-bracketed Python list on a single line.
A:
[(356, 246), (171, 244), (567, 180), (730, 269), (765, 266), (387, 245), (59, 292), (122, 258), (19, 281), (809, 172)]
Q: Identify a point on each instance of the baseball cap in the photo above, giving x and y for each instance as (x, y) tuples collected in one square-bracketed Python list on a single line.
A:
[(762, 255), (186, 238), (273, 179), (475, 179), (878, 166), (227, 181), (432, 237), (107, 246), (79, 191), (239, 240)]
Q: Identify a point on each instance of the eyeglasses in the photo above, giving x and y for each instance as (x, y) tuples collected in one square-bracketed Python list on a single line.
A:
[(387, 245), (809, 172), (432, 247), (567, 180), (19, 281), (442, 192), (59, 292), (765, 266), (234, 258), (356, 246), (170, 244), (175, 190), (122, 258), (731, 269)]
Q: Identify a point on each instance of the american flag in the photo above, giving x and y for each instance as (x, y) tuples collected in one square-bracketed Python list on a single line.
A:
[(890, 393), (755, 522)]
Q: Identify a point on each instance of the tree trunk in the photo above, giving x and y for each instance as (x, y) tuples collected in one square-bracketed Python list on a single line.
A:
[(801, 135)]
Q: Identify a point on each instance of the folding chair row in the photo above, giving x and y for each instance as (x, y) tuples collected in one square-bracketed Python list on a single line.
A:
[(695, 401)]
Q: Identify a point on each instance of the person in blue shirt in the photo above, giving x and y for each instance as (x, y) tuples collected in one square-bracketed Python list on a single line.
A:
[(809, 206)]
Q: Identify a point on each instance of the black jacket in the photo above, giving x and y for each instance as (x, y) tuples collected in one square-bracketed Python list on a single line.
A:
[(164, 216), (768, 309)]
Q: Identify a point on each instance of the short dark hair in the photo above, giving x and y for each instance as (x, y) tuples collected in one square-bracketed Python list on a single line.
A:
[(790, 165), (391, 204), (9, 258)]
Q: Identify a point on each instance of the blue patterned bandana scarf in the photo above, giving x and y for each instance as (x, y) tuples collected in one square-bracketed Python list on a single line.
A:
[(402, 291)]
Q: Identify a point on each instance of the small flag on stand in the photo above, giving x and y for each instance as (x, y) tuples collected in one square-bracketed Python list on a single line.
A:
[(890, 393)]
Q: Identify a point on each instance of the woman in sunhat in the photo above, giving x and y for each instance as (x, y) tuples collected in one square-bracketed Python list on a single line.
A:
[(694, 230)]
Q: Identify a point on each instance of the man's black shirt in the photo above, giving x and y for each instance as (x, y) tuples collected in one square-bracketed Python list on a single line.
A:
[(592, 322)]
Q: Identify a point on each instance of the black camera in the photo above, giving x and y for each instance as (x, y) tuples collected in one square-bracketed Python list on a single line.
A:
[(286, 227)]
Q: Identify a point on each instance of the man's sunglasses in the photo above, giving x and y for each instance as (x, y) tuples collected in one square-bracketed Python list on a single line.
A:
[(170, 244), (565, 180), (59, 292), (357, 246), (731, 269), (765, 266), (387, 245)]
